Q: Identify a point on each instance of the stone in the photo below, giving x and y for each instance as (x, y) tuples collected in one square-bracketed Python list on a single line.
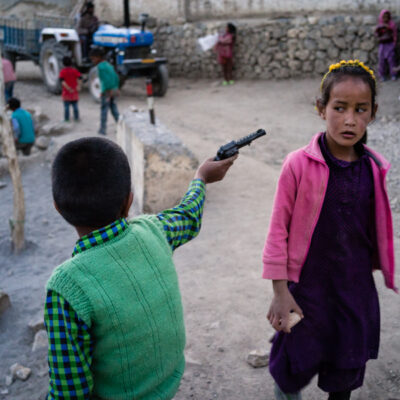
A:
[(42, 142), (321, 66), (40, 341), (258, 358), (4, 302), (369, 20), (4, 391), (368, 45), (294, 64), (8, 380), (161, 165), (55, 128), (324, 44), (360, 55), (20, 372), (328, 31), (333, 52), (313, 20), (302, 54), (310, 44), (340, 42), (37, 323), (2, 184)]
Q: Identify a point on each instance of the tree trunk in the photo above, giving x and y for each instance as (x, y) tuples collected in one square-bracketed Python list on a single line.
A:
[(7, 139)]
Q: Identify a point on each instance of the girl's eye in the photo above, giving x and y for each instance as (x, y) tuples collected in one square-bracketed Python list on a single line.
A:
[(361, 110), (340, 109)]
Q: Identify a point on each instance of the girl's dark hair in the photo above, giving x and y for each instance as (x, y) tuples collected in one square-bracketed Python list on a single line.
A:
[(232, 29), (338, 75)]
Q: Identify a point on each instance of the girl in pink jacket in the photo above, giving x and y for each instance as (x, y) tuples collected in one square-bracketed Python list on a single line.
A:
[(331, 225)]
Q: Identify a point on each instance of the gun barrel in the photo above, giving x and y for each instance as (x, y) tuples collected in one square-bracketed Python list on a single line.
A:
[(249, 138)]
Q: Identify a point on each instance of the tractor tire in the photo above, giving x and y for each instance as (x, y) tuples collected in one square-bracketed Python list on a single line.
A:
[(94, 85), (51, 56), (160, 81)]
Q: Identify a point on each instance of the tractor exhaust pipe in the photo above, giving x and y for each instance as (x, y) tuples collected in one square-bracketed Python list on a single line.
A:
[(127, 21)]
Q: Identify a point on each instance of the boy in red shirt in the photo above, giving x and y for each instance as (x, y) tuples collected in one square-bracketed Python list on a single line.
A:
[(70, 80)]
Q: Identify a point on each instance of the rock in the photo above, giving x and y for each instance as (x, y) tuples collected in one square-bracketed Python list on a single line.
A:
[(9, 380), (40, 341), (258, 358), (55, 128), (2, 184), (20, 372), (161, 165), (4, 391), (4, 302), (42, 142), (37, 323)]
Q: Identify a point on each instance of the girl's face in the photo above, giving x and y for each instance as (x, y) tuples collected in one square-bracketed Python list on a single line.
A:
[(347, 115), (386, 18)]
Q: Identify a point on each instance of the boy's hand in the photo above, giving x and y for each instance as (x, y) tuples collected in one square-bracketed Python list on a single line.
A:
[(282, 304), (213, 171)]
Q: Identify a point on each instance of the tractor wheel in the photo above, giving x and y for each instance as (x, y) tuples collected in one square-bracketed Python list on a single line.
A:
[(160, 81), (94, 85), (51, 56)]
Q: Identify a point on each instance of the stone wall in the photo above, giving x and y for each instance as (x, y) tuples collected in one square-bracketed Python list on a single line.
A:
[(273, 48), (161, 165)]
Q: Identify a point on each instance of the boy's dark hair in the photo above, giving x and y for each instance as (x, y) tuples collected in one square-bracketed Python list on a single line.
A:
[(13, 103), (67, 61), (91, 181), (339, 74), (96, 52)]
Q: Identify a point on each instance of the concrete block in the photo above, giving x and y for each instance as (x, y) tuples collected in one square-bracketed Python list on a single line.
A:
[(161, 165)]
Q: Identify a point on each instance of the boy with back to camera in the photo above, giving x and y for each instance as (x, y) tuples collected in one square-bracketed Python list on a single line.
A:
[(113, 311), (109, 86)]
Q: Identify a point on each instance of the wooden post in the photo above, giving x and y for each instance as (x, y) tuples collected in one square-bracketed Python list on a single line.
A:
[(7, 139)]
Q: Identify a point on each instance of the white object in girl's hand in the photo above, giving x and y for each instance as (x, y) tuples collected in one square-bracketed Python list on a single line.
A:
[(208, 42), (294, 318)]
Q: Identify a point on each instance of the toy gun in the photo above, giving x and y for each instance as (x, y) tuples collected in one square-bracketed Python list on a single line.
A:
[(232, 148)]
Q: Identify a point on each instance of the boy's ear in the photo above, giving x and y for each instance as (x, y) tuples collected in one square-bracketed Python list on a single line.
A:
[(127, 205), (56, 207)]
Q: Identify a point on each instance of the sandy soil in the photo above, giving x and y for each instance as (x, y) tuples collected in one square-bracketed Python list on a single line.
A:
[(225, 300)]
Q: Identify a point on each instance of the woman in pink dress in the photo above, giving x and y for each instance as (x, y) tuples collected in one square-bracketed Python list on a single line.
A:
[(224, 49)]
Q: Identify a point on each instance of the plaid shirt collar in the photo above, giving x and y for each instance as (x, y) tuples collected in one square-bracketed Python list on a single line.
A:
[(100, 236)]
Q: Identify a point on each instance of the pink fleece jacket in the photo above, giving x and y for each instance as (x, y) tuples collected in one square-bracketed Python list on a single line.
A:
[(297, 206)]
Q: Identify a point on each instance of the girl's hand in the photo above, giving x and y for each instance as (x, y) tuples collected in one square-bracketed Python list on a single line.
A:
[(281, 306)]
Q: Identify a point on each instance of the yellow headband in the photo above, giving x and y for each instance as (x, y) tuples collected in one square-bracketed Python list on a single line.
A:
[(349, 63)]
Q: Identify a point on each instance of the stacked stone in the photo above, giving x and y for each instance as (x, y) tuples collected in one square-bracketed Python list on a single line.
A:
[(275, 48)]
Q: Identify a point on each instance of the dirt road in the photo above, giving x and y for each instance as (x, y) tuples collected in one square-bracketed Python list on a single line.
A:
[(225, 300)]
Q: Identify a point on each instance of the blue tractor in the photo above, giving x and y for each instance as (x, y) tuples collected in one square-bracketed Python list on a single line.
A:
[(46, 40)]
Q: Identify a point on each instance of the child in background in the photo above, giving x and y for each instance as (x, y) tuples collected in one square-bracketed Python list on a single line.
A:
[(109, 82), (331, 225), (113, 311), (23, 127), (386, 31), (70, 80), (224, 49), (9, 78)]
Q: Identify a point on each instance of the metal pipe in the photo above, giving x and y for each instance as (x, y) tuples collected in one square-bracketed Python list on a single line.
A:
[(127, 21)]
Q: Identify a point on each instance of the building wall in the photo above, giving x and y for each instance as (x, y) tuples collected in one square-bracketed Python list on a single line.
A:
[(272, 48)]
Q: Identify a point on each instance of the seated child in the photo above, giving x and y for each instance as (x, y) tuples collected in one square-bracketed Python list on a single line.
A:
[(23, 127), (113, 311)]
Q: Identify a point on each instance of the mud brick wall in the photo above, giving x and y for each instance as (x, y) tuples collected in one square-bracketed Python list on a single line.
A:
[(274, 48)]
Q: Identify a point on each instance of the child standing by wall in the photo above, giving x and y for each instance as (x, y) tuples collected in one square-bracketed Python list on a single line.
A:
[(109, 82), (331, 226), (386, 31), (9, 78), (70, 80), (224, 49)]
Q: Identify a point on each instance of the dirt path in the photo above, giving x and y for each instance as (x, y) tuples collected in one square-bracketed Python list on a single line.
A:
[(224, 298)]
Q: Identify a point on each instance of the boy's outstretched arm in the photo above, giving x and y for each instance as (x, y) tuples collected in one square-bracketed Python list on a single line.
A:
[(183, 222)]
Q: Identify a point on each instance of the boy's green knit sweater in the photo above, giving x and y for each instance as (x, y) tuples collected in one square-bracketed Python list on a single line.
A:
[(130, 275)]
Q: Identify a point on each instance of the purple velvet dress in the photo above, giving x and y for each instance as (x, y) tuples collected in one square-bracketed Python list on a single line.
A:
[(336, 291)]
